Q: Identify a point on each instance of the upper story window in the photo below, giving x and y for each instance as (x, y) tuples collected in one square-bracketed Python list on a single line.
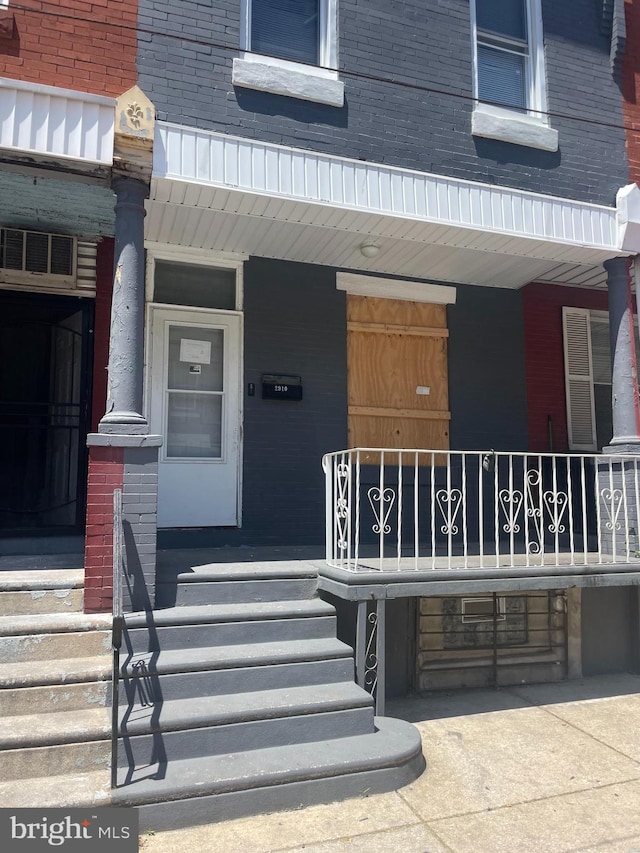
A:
[(503, 66), (289, 29), (291, 49), (509, 75)]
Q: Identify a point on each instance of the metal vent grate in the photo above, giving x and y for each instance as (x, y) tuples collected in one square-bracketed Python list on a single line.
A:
[(35, 252)]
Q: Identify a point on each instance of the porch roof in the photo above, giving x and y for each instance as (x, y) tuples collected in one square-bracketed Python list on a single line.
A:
[(213, 191)]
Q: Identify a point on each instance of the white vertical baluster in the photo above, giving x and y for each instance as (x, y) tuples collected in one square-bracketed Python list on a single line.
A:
[(598, 495), (555, 497), (416, 516), (449, 522), (433, 511), (570, 510), (358, 499), (623, 466), (496, 505), (381, 521), (347, 462), (541, 510), (526, 508), (612, 514), (583, 498), (513, 519), (399, 551), (464, 510), (480, 511)]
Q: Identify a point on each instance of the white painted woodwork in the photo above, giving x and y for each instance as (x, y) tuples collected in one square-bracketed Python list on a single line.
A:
[(58, 123), (197, 490)]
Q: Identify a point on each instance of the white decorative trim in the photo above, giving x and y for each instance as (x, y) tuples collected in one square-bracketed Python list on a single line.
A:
[(205, 158), (628, 218), (393, 288), (56, 123), (508, 126), (291, 79)]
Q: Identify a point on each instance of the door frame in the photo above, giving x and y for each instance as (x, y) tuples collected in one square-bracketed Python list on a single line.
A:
[(177, 310)]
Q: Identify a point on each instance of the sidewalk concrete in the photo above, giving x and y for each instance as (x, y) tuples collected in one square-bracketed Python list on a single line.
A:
[(537, 769)]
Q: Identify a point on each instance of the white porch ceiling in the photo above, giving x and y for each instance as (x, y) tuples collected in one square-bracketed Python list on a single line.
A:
[(215, 192)]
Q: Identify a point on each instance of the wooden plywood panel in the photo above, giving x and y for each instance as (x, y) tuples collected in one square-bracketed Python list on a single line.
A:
[(386, 369), (399, 432), (369, 309)]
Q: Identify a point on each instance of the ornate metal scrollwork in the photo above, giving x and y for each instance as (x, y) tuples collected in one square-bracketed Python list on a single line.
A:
[(343, 477), (511, 504), (371, 656), (381, 504), (612, 502), (449, 501)]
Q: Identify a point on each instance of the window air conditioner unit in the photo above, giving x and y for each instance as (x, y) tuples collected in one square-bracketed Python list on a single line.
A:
[(34, 257)]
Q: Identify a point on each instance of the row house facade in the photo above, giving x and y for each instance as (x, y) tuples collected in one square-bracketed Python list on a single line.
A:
[(351, 281)]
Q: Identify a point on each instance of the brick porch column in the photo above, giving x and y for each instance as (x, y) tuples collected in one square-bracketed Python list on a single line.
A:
[(122, 454)]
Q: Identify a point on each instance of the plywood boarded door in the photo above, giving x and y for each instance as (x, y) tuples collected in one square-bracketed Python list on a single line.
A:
[(397, 374)]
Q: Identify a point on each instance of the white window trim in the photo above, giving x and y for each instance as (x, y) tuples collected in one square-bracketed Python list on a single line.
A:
[(292, 79), (532, 128)]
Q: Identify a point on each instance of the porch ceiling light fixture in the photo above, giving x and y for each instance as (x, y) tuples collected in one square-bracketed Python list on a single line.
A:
[(369, 249)]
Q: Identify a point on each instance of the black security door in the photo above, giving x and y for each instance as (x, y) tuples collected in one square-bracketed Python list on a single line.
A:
[(44, 409)]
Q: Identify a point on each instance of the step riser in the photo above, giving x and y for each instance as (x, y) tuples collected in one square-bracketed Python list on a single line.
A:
[(192, 811), (147, 750), (57, 697), (222, 682), (36, 601), (229, 592), (19, 649), (44, 761), (139, 640)]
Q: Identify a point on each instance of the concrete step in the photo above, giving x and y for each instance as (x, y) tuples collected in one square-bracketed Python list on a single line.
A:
[(212, 788), (45, 646), (53, 623), (235, 669), (142, 750), (56, 759), (240, 572), (81, 788), (221, 682), (61, 671), (229, 624), (200, 711), (197, 590), (25, 731), (41, 601), (55, 697), (15, 581)]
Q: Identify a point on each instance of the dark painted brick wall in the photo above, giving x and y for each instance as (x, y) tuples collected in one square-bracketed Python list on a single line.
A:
[(295, 323), (487, 391), (424, 42)]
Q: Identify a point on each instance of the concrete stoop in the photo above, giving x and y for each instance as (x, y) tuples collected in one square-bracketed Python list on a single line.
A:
[(55, 676), (237, 698)]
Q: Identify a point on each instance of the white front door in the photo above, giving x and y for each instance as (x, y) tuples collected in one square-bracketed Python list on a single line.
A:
[(195, 406)]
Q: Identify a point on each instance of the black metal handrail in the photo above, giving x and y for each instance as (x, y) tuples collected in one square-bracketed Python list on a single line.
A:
[(117, 630)]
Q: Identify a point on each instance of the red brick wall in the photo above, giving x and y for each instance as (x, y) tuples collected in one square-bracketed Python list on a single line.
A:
[(87, 45), (544, 357), (102, 322), (106, 473), (631, 87)]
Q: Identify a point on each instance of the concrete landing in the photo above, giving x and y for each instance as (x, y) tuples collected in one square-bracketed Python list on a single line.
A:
[(553, 768)]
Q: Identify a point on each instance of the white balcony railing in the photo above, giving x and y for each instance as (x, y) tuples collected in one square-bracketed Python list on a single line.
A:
[(413, 510)]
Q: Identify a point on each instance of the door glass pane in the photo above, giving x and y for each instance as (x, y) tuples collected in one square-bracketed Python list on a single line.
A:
[(196, 359), (194, 425)]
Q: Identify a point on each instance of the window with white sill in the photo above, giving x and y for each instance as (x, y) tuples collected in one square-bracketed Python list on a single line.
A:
[(290, 49), (509, 73)]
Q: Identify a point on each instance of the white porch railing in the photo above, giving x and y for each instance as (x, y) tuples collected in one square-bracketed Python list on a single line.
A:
[(413, 510)]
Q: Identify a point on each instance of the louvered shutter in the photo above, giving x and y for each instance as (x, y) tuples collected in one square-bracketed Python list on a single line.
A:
[(578, 372)]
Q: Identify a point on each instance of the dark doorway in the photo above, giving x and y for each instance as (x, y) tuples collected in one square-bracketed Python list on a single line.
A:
[(45, 389)]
